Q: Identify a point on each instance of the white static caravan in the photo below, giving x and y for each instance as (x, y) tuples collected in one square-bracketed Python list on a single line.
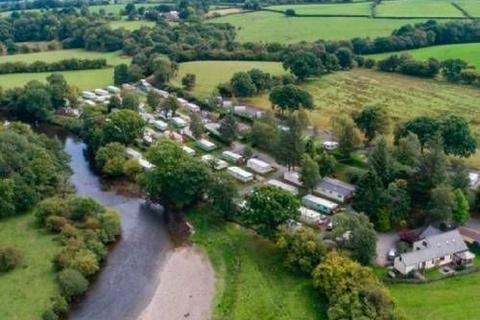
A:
[(113, 89), (188, 150), (218, 164), (101, 92), (89, 102), (145, 164), (292, 177), (259, 166), (182, 101), (89, 95), (279, 184), (133, 154), (179, 122), (311, 217), (330, 145), (240, 174), (160, 125), (192, 107), (232, 156), (206, 145), (319, 204)]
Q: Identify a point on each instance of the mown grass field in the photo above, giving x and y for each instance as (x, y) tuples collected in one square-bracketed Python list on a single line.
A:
[(276, 27), (469, 52), (211, 73), (251, 282), (449, 299), (471, 6), (131, 25), (83, 79), (361, 8), (25, 292), (418, 8)]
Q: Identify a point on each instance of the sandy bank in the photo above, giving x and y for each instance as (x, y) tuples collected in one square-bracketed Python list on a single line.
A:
[(185, 290)]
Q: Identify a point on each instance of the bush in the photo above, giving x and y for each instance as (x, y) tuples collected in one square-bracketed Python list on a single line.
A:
[(10, 258), (60, 306), (131, 168), (49, 315), (110, 226), (72, 283), (55, 223), (85, 261)]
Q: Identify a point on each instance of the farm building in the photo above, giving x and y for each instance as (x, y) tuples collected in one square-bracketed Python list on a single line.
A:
[(319, 204), (335, 189), (206, 145), (189, 150), (434, 251), (217, 164), (178, 122), (279, 184), (232, 156), (311, 217), (259, 166), (160, 125), (240, 174)]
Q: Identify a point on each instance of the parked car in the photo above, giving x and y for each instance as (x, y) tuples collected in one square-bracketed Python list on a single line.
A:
[(392, 253)]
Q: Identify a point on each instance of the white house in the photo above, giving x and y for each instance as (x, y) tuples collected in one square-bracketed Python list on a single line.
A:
[(240, 174), (232, 156), (206, 145), (279, 184), (319, 204), (433, 251), (259, 166), (335, 189)]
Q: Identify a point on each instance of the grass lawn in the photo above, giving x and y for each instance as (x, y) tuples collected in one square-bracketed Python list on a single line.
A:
[(472, 7), (469, 52), (211, 73), (276, 27), (26, 291), (251, 281), (362, 8), (83, 79), (449, 299), (131, 25), (418, 8)]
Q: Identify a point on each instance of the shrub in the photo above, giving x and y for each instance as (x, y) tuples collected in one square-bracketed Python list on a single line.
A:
[(49, 207), (10, 258), (60, 306), (131, 168), (72, 283), (110, 226), (69, 231), (84, 207), (49, 315), (86, 262), (55, 223)]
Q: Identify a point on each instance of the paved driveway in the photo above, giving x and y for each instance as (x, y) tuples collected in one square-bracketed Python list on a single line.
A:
[(385, 241)]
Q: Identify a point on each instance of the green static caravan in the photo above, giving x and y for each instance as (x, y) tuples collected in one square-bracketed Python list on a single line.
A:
[(319, 204)]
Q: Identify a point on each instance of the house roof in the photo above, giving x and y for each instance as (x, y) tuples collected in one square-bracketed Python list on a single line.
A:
[(428, 232), (336, 186), (438, 246)]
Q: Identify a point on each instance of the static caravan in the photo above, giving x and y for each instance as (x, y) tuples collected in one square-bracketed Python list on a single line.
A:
[(217, 164), (113, 89), (160, 125), (192, 107), (160, 92), (189, 150), (101, 92), (232, 156), (179, 122), (330, 145), (311, 217), (206, 145), (292, 177), (133, 154), (145, 164), (182, 101), (319, 204), (279, 184), (335, 189), (89, 102), (240, 174), (259, 166), (89, 95)]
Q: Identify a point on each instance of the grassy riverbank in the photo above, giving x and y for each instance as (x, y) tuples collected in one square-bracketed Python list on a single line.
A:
[(26, 291), (251, 280)]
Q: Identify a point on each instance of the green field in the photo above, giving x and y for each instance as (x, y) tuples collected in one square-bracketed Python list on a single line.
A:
[(362, 8), (449, 299), (83, 79), (25, 292), (276, 27), (472, 7), (131, 25), (211, 73), (469, 52), (251, 282), (418, 8)]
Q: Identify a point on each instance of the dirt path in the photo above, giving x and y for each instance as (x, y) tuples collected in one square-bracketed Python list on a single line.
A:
[(186, 288)]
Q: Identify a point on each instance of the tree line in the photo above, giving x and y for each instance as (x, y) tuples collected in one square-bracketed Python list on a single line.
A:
[(62, 65)]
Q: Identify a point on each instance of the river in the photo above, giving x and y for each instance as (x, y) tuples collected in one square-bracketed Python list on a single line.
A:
[(131, 273)]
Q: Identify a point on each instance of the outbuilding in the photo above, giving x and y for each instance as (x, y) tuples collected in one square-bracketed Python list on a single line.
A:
[(206, 145), (319, 204), (259, 166), (240, 174)]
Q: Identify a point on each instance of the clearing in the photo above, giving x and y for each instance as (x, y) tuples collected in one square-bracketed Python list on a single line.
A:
[(83, 79), (211, 73), (418, 8), (251, 281), (360, 8), (26, 291), (276, 27), (469, 52)]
